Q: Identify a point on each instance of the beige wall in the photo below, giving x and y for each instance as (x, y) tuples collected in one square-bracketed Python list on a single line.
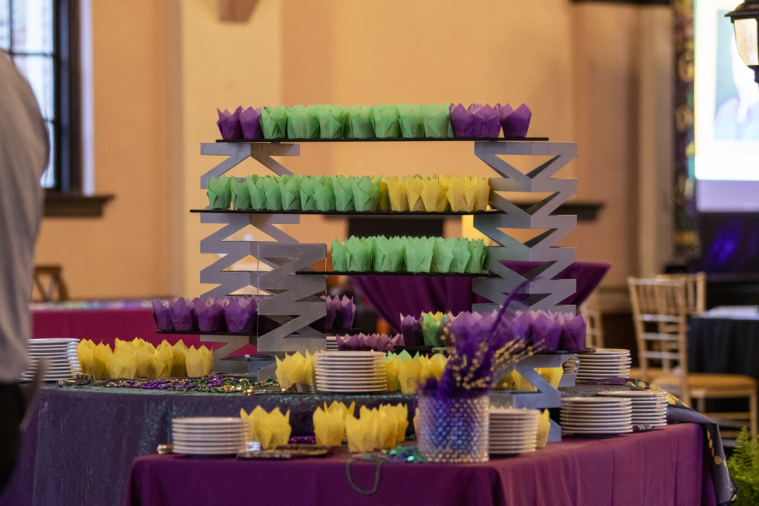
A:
[(125, 253), (577, 66)]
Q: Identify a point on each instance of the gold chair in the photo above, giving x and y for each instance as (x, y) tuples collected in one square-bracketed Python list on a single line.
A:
[(594, 334), (660, 314), (695, 290), (56, 288)]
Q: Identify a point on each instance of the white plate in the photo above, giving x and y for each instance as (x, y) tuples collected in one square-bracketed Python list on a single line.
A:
[(513, 423), (580, 425), (595, 420), (597, 412), (602, 432), (511, 448), (527, 439), (379, 366), (595, 401), (649, 409), (514, 413), (196, 442), (181, 438), (597, 423), (589, 377), (239, 443), (513, 430), (593, 367), (208, 421), (512, 426), (344, 374), (238, 429), (352, 390), (351, 383), (54, 340), (634, 394), (209, 451), (608, 351), (513, 444), (523, 436), (331, 386)]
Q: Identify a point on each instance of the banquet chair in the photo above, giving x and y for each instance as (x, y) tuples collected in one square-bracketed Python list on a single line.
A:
[(660, 314), (695, 290), (56, 290), (594, 334)]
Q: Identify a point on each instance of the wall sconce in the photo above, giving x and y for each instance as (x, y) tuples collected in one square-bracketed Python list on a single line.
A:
[(745, 20)]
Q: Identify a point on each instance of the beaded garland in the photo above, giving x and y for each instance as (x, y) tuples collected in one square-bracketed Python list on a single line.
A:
[(211, 383)]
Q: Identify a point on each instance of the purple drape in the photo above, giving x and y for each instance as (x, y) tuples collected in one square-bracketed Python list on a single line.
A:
[(391, 296)]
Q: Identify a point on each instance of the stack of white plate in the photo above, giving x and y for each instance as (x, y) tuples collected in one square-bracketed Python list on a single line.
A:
[(604, 363), (648, 407), (208, 436), (513, 431), (596, 416), (331, 343), (63, 362), (350, 371)]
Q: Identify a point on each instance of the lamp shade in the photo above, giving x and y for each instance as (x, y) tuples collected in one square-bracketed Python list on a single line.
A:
[(745, 20)]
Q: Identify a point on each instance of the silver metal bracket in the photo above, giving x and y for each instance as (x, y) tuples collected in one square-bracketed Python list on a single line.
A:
[(543, 291), (293, 300)]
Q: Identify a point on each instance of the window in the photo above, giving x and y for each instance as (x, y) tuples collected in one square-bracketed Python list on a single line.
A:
[(39, 35)]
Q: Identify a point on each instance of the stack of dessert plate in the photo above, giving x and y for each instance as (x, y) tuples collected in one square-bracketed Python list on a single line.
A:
[(513, 431), (350, 371), (208, 436), (63, 362), (331, 343), (648, 407), (604, 363), (596, 416)]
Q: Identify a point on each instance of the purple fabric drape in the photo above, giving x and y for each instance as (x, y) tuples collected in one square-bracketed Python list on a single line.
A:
[(657, 468), (391, 296)]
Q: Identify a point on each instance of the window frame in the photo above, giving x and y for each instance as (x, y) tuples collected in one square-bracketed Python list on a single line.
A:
[(65, 198)]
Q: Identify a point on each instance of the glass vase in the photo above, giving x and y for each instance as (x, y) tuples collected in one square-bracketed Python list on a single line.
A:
[(453, 430)]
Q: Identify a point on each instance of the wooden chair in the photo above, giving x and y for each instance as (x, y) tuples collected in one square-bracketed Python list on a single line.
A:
[(594, 334), (56, 288), (695, 290), (660, 314)]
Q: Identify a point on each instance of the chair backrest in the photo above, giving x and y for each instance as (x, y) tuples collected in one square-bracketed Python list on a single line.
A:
[(695, 289), (660, 315), (56, 288), (594, 333)]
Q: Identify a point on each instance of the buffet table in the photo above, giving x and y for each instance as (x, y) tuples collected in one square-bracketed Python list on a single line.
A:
[(661, 467), (81, 441)]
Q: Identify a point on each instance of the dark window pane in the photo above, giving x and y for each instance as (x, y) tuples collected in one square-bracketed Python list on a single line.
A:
[(48, 178), (5, 25), (39, 72), (32, 26)]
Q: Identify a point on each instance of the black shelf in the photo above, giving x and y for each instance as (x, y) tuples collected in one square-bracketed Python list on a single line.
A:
[(372, 273), (394, 139), (200, 332), (352, 213)]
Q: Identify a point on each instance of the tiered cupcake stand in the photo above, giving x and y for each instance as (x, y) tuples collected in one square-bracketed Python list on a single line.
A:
[(284, 274)]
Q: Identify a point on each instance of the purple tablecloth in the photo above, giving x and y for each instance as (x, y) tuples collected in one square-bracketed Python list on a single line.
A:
[(392, 295), (662, 467)]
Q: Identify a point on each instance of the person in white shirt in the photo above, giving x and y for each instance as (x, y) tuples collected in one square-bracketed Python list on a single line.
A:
[(24, 154)]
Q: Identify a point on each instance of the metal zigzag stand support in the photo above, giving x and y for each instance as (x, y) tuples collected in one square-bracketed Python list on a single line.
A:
[(291, 301), (543, 292)]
